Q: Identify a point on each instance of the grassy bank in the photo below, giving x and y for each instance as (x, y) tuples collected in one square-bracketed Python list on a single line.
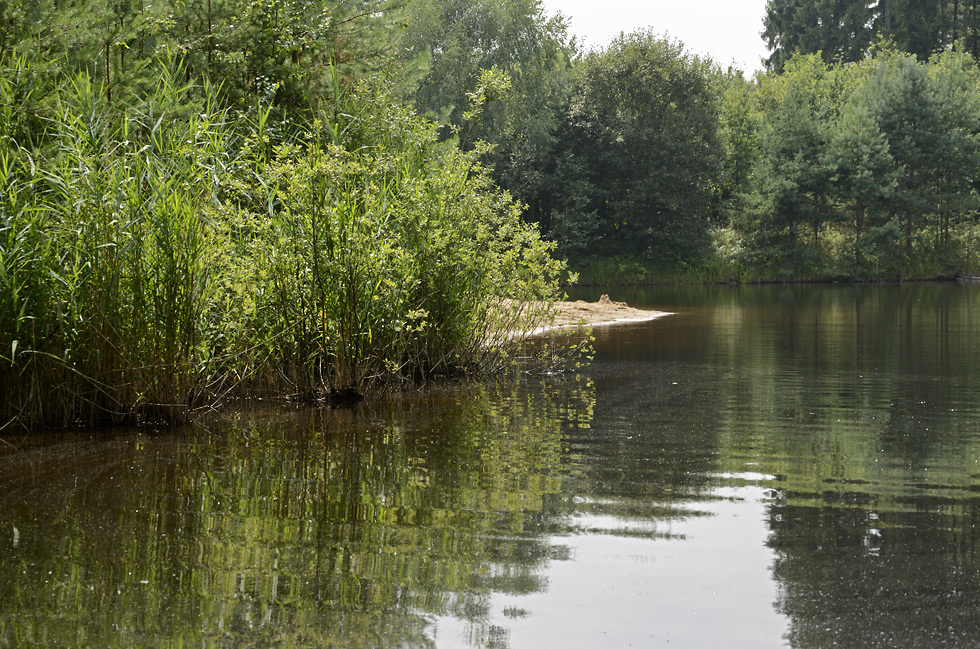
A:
[(158, 253)]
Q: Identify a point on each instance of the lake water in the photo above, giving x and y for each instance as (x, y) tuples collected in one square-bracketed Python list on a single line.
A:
[(768, 467)]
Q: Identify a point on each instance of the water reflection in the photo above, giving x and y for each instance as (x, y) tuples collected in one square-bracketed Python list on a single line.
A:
[(770, 467), (860, 403), (298, 528)]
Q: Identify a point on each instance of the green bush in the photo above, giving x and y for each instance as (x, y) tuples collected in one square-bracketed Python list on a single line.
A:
[(156, 256)]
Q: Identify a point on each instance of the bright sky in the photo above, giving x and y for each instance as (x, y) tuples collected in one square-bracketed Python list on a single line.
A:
[(726, 30)]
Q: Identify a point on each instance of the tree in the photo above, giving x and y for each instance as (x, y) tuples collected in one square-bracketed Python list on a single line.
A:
[(740, 125), (457, 40), (794, 177), (908, 113), (285, 52), (847, 30), (866, 181), (885, 153), (841, 30), (282, 52), (643, 138), (956, 80)]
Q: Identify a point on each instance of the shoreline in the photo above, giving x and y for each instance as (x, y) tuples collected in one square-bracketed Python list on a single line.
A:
[(602, 313)]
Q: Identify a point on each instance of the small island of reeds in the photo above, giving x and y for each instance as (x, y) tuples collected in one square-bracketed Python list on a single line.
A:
[(161, 251)]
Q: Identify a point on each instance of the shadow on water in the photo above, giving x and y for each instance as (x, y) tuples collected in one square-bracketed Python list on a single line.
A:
[(782, 466)]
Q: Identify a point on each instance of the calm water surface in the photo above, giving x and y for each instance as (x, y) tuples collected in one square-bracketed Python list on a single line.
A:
[(768, 467)]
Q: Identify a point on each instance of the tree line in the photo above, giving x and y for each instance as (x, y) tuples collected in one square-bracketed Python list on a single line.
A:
[(638, 159), (307, 195), (845, 30), (644, 161), (864, 170)]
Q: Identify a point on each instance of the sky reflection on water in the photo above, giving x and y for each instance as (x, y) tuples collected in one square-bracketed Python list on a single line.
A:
[(771, 467)]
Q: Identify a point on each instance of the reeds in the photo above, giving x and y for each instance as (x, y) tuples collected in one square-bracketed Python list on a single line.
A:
[(156, 255)]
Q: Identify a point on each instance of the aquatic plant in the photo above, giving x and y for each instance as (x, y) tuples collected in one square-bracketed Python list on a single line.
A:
[(387, 255), (159, 252)]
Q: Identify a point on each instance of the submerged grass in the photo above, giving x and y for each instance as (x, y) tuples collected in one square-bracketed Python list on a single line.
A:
[(158, 256)]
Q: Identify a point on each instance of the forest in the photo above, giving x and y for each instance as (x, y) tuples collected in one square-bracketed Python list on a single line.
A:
[(304, 197)]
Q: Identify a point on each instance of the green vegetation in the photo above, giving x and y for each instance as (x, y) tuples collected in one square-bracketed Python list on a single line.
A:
[(639, 153), (159, 252), (229, 196), (845, 30), (661, 167), (670, 170), (864, 171)]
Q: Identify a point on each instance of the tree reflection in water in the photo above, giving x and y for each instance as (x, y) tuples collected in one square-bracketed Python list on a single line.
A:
[(288, 527), (774, 466)]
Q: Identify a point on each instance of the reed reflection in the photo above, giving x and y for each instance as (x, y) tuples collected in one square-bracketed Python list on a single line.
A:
[(289, 528)]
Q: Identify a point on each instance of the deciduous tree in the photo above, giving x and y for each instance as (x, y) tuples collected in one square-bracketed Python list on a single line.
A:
[(644, 135), (455, 40)]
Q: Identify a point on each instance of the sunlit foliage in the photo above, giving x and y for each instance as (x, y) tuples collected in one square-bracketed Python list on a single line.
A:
[(158, 255)]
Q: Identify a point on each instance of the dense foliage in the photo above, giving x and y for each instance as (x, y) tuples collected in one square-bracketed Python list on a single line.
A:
[(640, 154), (522, 102), (158, 254), (216, 195), (863, 170), (845, 30), (666, 167)]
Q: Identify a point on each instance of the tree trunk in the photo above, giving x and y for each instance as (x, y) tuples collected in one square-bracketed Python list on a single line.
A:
[(908, 235), (858, 229), (955, 21)]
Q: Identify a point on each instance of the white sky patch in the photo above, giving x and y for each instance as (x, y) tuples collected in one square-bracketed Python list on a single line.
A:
[(729, 31)]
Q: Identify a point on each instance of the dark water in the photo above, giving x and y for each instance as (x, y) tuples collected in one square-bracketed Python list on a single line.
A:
[(769, 467)]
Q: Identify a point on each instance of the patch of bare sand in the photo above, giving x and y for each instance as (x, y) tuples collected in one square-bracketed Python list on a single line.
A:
[(603, 312)]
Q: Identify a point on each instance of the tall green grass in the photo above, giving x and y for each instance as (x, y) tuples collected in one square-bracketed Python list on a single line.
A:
[(389, 255), (160, 253)]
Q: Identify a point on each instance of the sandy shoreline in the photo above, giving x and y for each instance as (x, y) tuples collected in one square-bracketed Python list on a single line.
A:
[(596, 314)]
